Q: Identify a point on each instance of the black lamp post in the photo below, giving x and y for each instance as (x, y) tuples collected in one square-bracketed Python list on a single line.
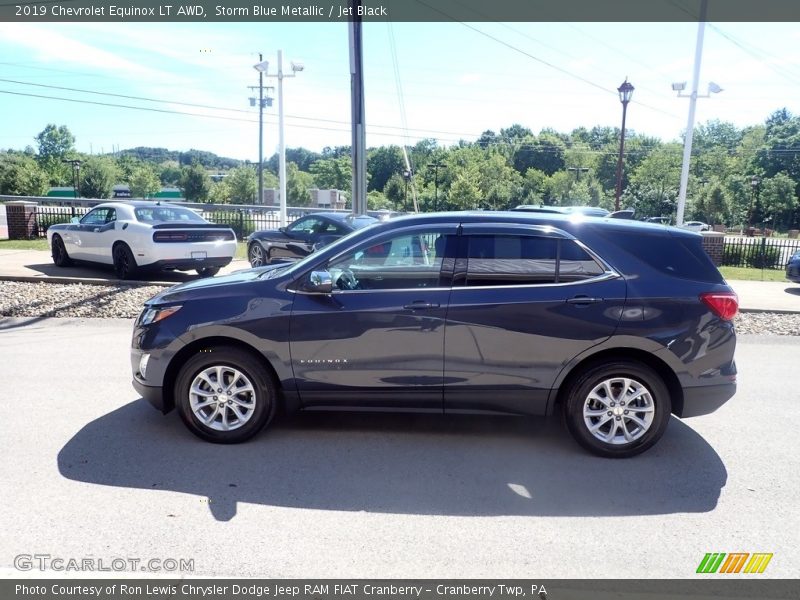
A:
[(436, 166), (76, 170), (625, 93)]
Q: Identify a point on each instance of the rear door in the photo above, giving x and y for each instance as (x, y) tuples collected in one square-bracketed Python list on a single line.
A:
[(525, 301)]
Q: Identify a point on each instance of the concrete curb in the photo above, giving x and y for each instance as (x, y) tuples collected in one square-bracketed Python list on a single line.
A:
[(100, 282)]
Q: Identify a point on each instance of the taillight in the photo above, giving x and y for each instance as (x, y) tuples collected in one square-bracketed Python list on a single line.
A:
[(723, 304), (169, 236)]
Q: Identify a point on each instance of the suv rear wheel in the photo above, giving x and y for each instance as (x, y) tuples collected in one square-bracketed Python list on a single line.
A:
[(618, 409), (224, 395)]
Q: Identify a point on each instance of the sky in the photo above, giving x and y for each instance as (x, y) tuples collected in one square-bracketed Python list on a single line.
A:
[(447, 81)]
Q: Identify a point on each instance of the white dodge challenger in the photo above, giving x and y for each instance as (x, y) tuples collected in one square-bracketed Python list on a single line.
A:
[(143, 234)]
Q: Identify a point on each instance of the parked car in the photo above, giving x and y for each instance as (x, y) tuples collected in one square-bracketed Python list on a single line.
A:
[(696, 226), (299, 238), (615, 323), (589, 211), (138, 235), (793, 268)]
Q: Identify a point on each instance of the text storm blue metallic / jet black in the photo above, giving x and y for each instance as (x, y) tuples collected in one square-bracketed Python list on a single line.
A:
[(616, 323)]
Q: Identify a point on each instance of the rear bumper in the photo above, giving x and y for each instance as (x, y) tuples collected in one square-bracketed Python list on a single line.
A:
[(187, 264), (705, 399)]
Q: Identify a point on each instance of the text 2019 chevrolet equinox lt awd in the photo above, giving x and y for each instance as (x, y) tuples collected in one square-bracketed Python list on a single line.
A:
[(618, 324)]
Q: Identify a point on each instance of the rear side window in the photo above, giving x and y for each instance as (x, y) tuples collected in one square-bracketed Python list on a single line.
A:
[(521, 260), (677, 256)]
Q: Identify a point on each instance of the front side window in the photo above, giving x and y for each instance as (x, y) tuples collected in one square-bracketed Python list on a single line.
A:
[(495, 260), (98, 216), (308, 226), (400, 262)]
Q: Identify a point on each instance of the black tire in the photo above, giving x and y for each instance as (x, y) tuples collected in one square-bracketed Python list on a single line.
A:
[(263, 396), (608, 414), (207, 271), (124, 262), (257, 255), (59, 252)]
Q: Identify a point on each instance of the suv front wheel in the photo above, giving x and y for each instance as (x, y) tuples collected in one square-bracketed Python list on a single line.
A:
[(618, 409), (224, 395)]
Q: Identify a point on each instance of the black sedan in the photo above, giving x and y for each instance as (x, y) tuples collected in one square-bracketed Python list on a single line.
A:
[(299, 238)]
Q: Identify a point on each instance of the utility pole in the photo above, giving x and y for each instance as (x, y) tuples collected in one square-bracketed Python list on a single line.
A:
[(263, 67), (358, 131), (436, 166), (262, 102)]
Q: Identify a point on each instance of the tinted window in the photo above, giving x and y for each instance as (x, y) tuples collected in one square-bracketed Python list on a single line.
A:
[(677, 256), (511, 260), (575, 263), (167, 214), (520, 260)]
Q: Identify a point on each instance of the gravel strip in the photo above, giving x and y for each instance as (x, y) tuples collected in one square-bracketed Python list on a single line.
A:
[(18, 299)]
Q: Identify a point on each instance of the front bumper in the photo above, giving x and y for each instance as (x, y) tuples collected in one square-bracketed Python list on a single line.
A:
[(793, 272), (705, 399), (153, 394)]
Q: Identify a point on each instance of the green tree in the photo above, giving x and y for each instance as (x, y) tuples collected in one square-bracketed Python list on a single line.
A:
[(778, 200), (20, 175), (545, 153), (382, 163), (333, 173), (170, 173), (377, 201), (394, 191), (242, 185), (298, 184), (54, 145), (653, 190), (144, 182), (195, 183), (98, 175)]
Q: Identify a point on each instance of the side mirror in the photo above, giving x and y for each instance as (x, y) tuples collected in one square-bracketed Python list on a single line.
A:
[(74, 220), (282, 229), (319, 282)]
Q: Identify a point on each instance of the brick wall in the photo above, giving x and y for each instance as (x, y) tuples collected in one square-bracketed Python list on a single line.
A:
[(21, 219), (714, 244)]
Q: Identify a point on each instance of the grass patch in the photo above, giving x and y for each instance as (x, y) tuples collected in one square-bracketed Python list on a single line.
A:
[(241, 250), (749, 274), (37, 244)]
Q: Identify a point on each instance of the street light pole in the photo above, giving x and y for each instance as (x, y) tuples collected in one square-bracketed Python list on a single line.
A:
[(687, 144), (625, 93)]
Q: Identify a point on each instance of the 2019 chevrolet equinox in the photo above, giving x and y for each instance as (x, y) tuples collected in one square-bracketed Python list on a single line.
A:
[(618, 324)]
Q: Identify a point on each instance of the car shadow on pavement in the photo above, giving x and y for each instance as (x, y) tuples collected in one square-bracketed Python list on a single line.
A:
[(99, 272), (407, 464), (795, 291)]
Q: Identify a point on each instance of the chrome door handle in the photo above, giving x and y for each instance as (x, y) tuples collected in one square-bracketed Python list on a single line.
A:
[(421, 305), (584, 300)]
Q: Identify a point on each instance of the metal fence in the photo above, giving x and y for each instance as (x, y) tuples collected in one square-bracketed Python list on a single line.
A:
[(243, 220), (759, 252)]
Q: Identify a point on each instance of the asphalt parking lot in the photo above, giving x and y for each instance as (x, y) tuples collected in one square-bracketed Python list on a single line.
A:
[(91, 470)]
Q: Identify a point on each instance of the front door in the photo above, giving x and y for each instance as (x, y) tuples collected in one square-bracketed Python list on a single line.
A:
[(377, 340)]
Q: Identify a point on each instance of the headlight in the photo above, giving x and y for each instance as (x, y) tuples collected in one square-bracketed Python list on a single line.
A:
[(154, 314)]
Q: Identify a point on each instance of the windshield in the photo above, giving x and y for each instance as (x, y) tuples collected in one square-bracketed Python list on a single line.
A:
[(167, 214)]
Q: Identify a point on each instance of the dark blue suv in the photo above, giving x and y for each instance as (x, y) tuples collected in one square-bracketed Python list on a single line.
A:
[(616, 323)]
